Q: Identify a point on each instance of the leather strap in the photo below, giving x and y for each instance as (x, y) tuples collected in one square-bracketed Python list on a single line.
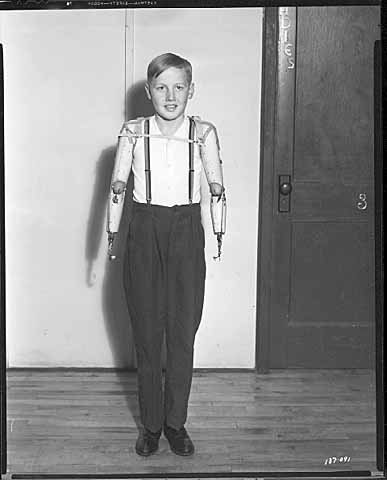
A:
[(191, 158), (147, 162)]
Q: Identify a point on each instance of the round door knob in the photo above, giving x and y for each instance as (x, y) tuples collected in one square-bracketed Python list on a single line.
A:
[(285, 188)]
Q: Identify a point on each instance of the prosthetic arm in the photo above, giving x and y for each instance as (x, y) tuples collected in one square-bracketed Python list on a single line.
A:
[(212, 164), (122, 166)]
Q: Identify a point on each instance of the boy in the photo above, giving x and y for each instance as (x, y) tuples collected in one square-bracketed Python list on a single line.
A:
[(164, 266)]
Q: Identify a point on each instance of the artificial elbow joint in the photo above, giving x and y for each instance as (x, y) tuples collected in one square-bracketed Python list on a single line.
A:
[(118, 190), (118, 187), (216, 189)]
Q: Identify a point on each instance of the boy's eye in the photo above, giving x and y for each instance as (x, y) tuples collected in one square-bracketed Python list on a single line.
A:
[(160, 88), (179, 87)]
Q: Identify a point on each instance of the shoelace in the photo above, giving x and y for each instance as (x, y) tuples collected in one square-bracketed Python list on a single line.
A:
[(152, 435)]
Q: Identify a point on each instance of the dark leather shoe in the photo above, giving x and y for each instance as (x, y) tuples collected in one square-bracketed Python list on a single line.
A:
[(147, 442), (179, 441)]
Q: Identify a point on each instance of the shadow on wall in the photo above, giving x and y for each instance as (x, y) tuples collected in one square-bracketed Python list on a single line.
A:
[(137, 103), (113, 300), (116, 316)]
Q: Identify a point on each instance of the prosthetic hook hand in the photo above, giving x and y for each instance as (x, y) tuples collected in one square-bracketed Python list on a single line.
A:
[(122, 166)]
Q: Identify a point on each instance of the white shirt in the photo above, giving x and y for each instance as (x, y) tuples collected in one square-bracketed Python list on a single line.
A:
[(169, 165)]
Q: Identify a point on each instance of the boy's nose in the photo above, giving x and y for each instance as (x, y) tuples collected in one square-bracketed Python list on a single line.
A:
[(170, 95)]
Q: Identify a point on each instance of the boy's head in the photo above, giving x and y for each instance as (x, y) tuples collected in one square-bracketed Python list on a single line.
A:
[(169, 85), (159, 64)]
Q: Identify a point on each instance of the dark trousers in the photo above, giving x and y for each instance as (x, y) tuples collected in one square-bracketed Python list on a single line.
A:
[(164, 275)]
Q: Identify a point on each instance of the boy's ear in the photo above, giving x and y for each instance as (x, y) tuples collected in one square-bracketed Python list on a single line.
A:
[(147, 90), (191, 90)]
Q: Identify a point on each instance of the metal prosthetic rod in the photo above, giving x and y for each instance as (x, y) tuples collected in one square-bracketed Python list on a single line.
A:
[(116, 205), (111, 237), (218, 216)]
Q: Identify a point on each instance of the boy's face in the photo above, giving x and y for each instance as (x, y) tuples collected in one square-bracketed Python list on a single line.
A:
[(169, 93)]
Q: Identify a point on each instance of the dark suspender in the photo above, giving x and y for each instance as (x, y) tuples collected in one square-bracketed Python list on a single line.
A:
[(191, 159), (147, 163), (191, 169)]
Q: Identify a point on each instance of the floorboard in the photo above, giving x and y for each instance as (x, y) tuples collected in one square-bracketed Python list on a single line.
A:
[(284, 421)]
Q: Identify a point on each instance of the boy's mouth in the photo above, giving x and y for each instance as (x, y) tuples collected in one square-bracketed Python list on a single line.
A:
[(171, 108)]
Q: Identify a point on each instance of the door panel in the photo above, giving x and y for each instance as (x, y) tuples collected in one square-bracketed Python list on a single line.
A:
[(339, 300), (334, 107), (322, 278)]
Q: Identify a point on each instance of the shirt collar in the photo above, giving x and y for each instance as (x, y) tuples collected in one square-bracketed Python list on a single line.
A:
[(181, 132)]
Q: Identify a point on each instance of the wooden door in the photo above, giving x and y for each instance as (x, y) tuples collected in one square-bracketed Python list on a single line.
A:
[(322, 289)]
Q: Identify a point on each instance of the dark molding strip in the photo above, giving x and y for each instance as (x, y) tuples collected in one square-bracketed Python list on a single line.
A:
[(123, 369), (257, 475), (111, 4)]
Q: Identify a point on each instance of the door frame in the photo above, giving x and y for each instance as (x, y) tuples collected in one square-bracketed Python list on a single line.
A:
[(3, 358), (266, 185), (267, 192)]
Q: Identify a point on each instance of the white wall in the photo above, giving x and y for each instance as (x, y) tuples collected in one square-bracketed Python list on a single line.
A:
[(64, 90), (65, 94)]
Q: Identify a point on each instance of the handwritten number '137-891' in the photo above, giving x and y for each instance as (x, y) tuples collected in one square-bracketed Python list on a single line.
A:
[(332, 460)]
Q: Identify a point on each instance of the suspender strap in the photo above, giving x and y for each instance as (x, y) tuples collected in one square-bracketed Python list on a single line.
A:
[(191, 158), (147, 162)]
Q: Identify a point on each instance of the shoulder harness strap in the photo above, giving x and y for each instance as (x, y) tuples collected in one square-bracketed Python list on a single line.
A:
[(203, 129), (132, 129)]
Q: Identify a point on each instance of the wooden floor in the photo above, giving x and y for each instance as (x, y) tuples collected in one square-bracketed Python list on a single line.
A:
[(85, 422)]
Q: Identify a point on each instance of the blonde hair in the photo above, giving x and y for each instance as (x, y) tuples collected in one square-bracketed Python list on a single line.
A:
[(160, 63)]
